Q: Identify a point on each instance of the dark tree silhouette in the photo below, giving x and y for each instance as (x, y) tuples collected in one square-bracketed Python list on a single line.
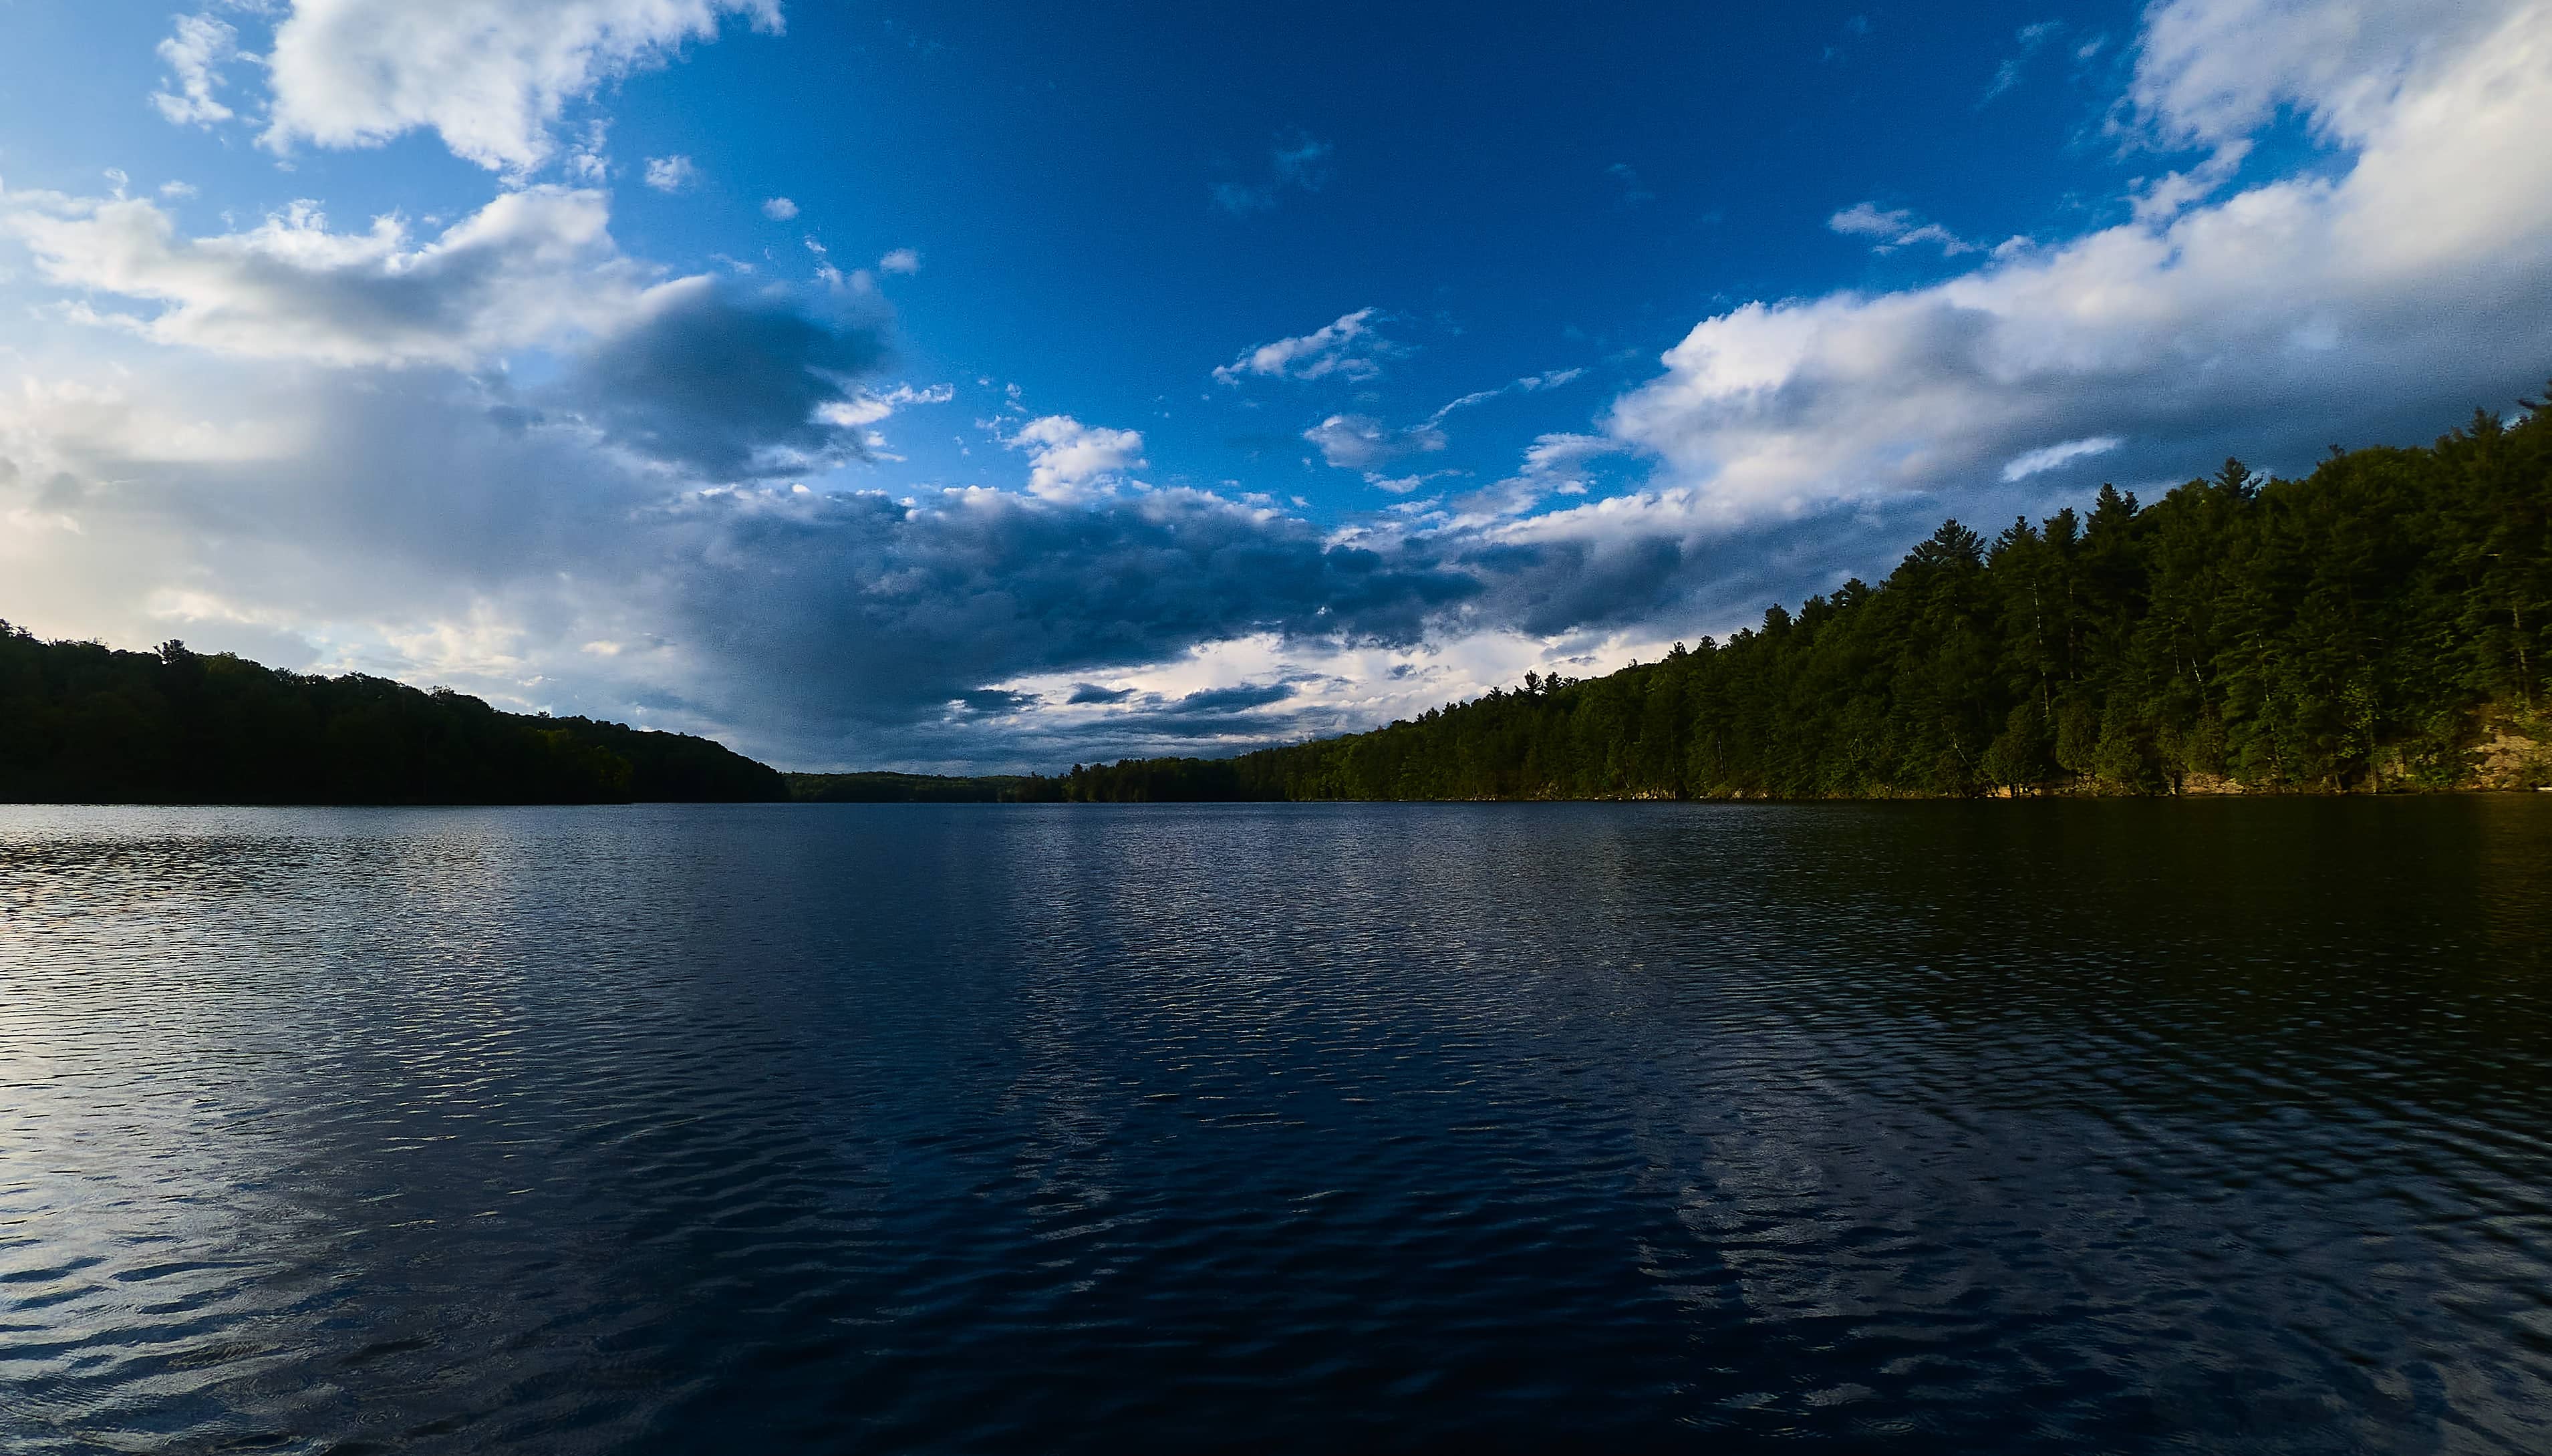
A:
[(81, 723)]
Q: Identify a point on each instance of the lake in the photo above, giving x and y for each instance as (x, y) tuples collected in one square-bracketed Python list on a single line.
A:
[(2040, 1126)]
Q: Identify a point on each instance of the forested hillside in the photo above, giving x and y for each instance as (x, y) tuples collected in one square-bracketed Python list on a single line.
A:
[(83, 724), (2378, 624), (923, 789)]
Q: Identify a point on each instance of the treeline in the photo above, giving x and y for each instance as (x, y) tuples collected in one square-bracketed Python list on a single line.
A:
[(80, 723), (923, 788), (2378, 624)]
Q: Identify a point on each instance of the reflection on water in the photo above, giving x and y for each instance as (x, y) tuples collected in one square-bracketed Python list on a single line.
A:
[(2121, 1126)]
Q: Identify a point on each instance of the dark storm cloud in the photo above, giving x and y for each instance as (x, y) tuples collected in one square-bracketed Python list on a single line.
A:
[(861, 611), (1227, 700), (1243, 730), (998, 700), (1218, 714), (727, 384)]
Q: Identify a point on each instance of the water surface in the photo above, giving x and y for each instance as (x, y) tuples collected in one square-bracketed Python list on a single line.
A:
[(1928, 1127)]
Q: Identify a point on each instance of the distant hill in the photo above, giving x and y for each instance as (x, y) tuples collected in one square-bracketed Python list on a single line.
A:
[(2384, 623), (81, 723)]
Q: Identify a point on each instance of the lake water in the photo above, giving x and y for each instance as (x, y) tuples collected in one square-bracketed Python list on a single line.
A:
[(2117, 1127)]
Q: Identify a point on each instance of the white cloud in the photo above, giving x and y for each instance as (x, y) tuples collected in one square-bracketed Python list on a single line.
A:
[(2211, 71), (532, 267), (1527, 385), (1362, 442), (68, 424), (2031, 38), (2412, 283), (673, 173), (1896, 228), (1067, 458), (1348, 348), (195, 53), (2039, 462), (901, 261), (2157, 200), (587, 163), (868, 407), (1553, 464), (779, 209), (1476, 396), (490, 76)]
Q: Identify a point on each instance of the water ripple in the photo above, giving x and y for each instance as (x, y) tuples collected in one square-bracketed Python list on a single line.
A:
[(1943, 1127)]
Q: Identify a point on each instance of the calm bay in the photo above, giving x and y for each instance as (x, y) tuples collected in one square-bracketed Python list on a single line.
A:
[(2040, 1126)]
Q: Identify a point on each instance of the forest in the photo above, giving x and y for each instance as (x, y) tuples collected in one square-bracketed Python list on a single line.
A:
[(2378, 625), (81, 723), (878, 787)]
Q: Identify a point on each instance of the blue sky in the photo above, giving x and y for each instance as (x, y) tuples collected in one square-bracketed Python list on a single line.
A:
[(943, 387)]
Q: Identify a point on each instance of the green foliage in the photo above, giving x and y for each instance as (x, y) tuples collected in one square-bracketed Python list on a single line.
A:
[(83, 724), (2350, 630)]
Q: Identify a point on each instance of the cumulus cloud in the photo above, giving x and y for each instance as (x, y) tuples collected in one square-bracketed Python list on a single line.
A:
[(491, 77), (691, 374), (530, 268), (673, 173), (586, 161), (891, 608), (2396, 290), (868, 408), (2211, 71), (1348, 348), (728, 386), (195, 53), (1402, 485), (901, 261), (1067, 458), (779, 209), (1363, 443), (1553, 464)]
